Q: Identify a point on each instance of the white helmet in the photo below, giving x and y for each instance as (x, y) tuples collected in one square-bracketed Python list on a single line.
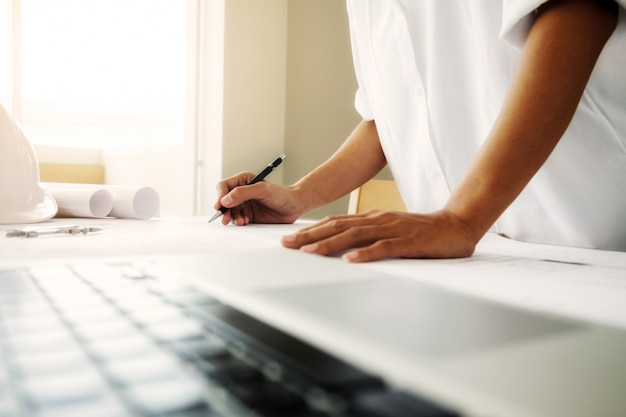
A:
[(22, 199)]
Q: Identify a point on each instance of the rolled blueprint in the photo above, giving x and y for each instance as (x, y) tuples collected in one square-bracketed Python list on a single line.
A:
[(88, 200), (73, 202), (134, 202)]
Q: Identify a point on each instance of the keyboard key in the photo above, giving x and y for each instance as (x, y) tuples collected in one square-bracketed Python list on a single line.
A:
[(7, 408), (157, 366), (111, 329), (88, 300), (230, 369), (34, 305), (269, 398), (48, 273), (202, 411), (16, 289), (32, 365), (71, 293), (205, 347), (163, 397), (33, 324), (95, 313), (114, 286), (173, 331), (64, 389), (162, 288), (326, 401), (124, 347), (51, 340), (97, 272), (138, 302), (394, 403), (157, 315), (96, 407), (188, 296), (132, 272)]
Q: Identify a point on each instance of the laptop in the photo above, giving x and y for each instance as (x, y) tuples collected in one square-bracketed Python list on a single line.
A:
[(265, 331)]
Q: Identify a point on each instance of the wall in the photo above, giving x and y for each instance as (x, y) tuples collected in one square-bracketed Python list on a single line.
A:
[(254, 84), (241, 99), (287, 86), (320, 88)]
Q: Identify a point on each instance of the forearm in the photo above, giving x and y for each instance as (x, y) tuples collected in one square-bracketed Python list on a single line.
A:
[(557, 60), (357, 160)]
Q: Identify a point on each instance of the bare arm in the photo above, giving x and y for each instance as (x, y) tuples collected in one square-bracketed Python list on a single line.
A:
[(558, 57), (557, 60), (356, 161)]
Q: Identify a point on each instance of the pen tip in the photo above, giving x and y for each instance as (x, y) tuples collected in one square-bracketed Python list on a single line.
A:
[(215, 216)]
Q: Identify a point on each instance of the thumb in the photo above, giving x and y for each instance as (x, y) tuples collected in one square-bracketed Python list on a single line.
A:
[(243, 193)]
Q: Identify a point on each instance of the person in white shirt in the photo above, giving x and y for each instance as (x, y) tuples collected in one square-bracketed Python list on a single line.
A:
[(501, 115)]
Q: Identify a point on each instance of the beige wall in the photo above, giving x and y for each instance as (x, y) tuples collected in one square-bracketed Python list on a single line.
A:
[(320, 88), (255, 44), (288, 85)]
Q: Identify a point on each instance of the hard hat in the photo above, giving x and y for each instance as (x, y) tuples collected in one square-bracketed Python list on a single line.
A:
[(22, 198)]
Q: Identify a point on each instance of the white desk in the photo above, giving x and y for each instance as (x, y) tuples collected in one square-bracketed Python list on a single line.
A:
[(584, 284), (580, 284)]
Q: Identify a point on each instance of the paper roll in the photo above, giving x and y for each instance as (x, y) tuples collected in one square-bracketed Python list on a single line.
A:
[(134, 203), (82, 202), (85, 200)]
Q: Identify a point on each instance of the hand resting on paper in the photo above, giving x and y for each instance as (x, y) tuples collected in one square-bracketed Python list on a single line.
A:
[(378, 235)]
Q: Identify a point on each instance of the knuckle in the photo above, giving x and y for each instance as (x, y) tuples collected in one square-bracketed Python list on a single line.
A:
[(330, 218), (335, 223), (303, 236), (375, 215), (355, 232), (235, 193), (386, 248), (386, 217)]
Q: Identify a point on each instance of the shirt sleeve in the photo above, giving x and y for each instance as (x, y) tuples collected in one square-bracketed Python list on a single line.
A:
[(518, 17), (362, 105), (361, 99)]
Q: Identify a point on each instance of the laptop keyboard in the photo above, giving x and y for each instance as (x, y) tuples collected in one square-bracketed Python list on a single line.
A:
[(120, 340)]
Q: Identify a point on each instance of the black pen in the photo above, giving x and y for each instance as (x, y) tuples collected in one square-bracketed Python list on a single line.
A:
[(260, 176)]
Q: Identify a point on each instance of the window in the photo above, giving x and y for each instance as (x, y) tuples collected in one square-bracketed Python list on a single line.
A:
[(95, 73)]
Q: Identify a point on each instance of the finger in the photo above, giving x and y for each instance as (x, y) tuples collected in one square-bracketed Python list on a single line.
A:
[(423, 246), (238, 215), (237, 201), (353, 237), (225, 186), (381, 249), (245, 193), (325, 228), (336, 224)]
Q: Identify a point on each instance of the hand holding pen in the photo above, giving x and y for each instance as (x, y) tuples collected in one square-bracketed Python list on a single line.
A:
[(259, 177)]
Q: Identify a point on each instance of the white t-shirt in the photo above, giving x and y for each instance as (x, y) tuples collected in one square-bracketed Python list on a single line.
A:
[(433, 75)]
